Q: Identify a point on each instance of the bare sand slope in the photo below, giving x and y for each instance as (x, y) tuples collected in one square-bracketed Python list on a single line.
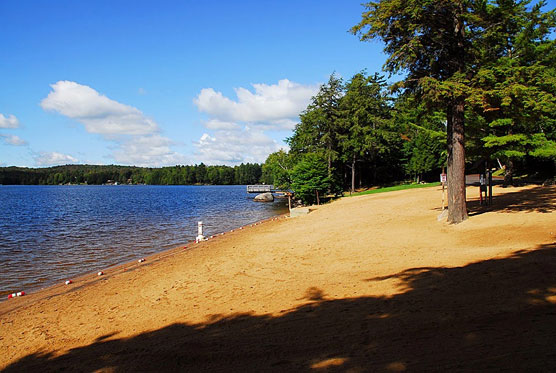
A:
[(369, 283)]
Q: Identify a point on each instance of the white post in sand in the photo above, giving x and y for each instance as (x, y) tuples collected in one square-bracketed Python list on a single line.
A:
[(200, 236)]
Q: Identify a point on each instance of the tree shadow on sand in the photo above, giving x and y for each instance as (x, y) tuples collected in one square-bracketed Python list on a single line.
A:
[(538, 199), (497, 314)]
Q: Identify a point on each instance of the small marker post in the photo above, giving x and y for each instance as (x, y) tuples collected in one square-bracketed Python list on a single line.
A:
[(200, 236), (443, 181)]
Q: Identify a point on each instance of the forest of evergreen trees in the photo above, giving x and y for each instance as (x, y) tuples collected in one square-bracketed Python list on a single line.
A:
[(477, 90), (249, 173)]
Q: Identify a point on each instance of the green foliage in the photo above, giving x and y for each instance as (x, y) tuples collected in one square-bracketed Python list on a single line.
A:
[(488, 63), (90, 174), (277, 170), (365, 122), (318, 129), (425, 152), (368, 140), (514, 100), (424, 133), (309, 177)]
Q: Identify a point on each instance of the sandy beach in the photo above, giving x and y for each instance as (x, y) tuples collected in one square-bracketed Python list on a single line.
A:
[(368, 283)]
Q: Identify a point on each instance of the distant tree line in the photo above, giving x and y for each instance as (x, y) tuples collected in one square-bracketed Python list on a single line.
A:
[(245, 173)]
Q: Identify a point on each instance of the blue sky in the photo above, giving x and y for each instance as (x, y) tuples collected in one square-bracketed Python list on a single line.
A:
[(166, 82)]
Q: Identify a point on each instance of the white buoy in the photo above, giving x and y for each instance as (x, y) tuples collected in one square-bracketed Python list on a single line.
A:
[(141, 260), (100, 273), (68, 282), (200, 236)]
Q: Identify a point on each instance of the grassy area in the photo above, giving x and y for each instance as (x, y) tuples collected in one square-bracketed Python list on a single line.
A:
[(393, 188)]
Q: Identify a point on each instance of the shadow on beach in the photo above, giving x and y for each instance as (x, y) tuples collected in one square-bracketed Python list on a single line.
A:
[(498, 314), (537, 199)]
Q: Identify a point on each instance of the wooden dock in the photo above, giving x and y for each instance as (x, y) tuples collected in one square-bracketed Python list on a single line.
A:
[(260, 188)]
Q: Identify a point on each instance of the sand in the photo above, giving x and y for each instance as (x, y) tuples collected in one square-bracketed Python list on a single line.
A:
[(368, 283)]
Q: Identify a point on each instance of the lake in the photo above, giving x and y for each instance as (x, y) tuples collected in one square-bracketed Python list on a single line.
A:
[(52, 233)]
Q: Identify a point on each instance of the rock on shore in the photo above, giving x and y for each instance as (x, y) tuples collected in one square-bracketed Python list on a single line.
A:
[(264, 197)]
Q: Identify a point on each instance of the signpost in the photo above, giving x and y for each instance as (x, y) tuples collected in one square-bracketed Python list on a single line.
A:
[(443, 181)]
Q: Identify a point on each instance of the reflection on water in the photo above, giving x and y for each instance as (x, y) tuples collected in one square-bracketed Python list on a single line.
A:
[(50, 233)]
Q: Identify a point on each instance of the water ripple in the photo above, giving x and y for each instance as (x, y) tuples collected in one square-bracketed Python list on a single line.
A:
[(48, 233)]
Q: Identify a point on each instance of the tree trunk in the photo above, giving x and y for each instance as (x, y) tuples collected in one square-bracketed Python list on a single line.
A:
[(329, 161), (318, 200), (509, 173), (353, 174), (457, 208)]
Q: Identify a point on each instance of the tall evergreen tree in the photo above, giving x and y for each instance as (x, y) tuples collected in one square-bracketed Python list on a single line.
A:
[(310, 178), (364, 115), (424, 133), (515, 95), (433, 41), (317, 131)]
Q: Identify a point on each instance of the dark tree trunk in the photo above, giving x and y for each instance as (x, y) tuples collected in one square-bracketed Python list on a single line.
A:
[(353, 174), (509, 173), (457, 208)]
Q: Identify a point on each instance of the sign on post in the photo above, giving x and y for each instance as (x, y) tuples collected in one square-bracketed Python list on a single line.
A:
[(443, 181)]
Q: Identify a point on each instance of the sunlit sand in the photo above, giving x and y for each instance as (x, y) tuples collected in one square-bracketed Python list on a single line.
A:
[(364, 283)]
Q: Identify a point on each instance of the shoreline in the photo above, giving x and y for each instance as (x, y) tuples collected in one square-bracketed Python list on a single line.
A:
[(49, 242), (87, 278), (372, 282)]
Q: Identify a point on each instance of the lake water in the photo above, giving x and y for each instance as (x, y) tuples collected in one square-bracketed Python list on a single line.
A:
[(52, 233)]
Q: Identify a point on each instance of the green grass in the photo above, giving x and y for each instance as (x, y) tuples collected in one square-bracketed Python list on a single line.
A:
[(394, 188)]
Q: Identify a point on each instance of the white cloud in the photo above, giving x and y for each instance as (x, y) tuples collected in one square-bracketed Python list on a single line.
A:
[(276, 104), (96, 112), (215, 124), (137, 137), (13, 140), (8, 122), (53, 159), (234, 147), (145, 151), (241, 124)]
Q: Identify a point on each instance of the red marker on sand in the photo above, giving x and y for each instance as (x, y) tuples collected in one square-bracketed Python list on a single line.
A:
[(18, 294)]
